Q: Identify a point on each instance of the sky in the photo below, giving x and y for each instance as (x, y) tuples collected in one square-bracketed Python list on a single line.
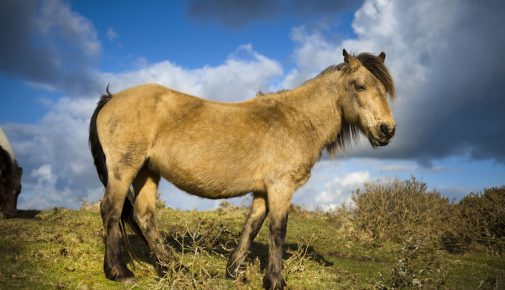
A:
[(446, 58)]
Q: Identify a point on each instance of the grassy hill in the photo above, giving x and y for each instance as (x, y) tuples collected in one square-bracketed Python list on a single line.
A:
[(63, 249)]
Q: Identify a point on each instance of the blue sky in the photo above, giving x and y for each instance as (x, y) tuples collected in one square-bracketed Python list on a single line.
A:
[(57, 57)]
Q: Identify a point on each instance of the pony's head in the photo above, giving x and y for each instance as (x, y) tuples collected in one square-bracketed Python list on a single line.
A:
[(364, 105)]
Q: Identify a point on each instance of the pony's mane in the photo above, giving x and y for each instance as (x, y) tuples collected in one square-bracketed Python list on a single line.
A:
[(262, 94), (330, 69), (348, 134)]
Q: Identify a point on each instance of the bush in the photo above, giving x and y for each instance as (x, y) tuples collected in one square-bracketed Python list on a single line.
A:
[(397, 209), (482, 219), (393, 210)]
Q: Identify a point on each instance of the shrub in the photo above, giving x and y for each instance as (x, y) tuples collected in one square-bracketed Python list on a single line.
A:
[(393, 210), (397, 209), (482, 219)]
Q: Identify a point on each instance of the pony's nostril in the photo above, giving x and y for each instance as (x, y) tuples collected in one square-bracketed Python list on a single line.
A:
[(384, 129), (387, 131)]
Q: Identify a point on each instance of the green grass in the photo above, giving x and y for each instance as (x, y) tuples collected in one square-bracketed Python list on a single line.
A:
[(63, 249)]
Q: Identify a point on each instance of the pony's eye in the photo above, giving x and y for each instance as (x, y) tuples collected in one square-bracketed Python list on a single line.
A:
[(359, 87)]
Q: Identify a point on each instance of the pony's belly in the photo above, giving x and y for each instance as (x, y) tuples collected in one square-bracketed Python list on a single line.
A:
[(217, 167), (206, 183), (208, 191)]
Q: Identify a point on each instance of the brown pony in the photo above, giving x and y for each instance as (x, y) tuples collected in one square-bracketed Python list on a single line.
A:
[(10, 177), (266, 145)]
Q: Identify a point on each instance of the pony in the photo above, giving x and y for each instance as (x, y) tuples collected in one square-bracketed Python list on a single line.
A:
[(266, 146), (10, 177)]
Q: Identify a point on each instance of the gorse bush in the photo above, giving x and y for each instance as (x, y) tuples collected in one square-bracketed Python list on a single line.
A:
[(482, 219), (397, 209)]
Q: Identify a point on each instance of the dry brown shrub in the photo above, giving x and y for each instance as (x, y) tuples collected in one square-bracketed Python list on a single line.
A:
[(396, 209), (393, 210), (481, 220)]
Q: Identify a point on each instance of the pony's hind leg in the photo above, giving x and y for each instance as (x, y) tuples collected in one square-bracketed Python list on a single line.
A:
[(251, 228), (146, 187), (111, 208)]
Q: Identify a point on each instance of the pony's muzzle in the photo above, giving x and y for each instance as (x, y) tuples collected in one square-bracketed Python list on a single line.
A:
[(386, 132)]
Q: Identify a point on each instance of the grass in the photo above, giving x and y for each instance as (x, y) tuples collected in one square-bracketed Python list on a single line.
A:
[(62, 249)]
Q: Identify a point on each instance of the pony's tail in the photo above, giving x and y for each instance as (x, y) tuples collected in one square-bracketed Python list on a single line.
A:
[(127, 219), (94, 142), (101, 168)]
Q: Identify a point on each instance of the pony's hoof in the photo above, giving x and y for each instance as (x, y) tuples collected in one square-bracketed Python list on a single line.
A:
[(273, 282), (118, 274)]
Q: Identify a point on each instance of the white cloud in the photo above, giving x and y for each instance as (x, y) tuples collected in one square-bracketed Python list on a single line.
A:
[(333, 182), (339, 190), (241, 76), (43, 191), (56, 16)]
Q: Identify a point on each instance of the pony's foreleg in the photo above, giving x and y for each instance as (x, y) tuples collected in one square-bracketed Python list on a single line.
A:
[(111, 208), (279, 200), (146, 187), (252, 226)]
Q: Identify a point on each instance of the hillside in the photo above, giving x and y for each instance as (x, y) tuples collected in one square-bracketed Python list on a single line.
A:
[(62, 249)]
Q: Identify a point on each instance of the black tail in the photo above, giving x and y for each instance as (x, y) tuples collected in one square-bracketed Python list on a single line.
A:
[(101, 168), (94, 141)]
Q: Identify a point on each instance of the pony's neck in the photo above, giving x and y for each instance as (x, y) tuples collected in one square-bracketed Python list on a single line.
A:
[(317, 102)]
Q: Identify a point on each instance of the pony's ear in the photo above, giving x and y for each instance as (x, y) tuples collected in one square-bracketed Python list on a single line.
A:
[(382, 56), (350, 60)]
